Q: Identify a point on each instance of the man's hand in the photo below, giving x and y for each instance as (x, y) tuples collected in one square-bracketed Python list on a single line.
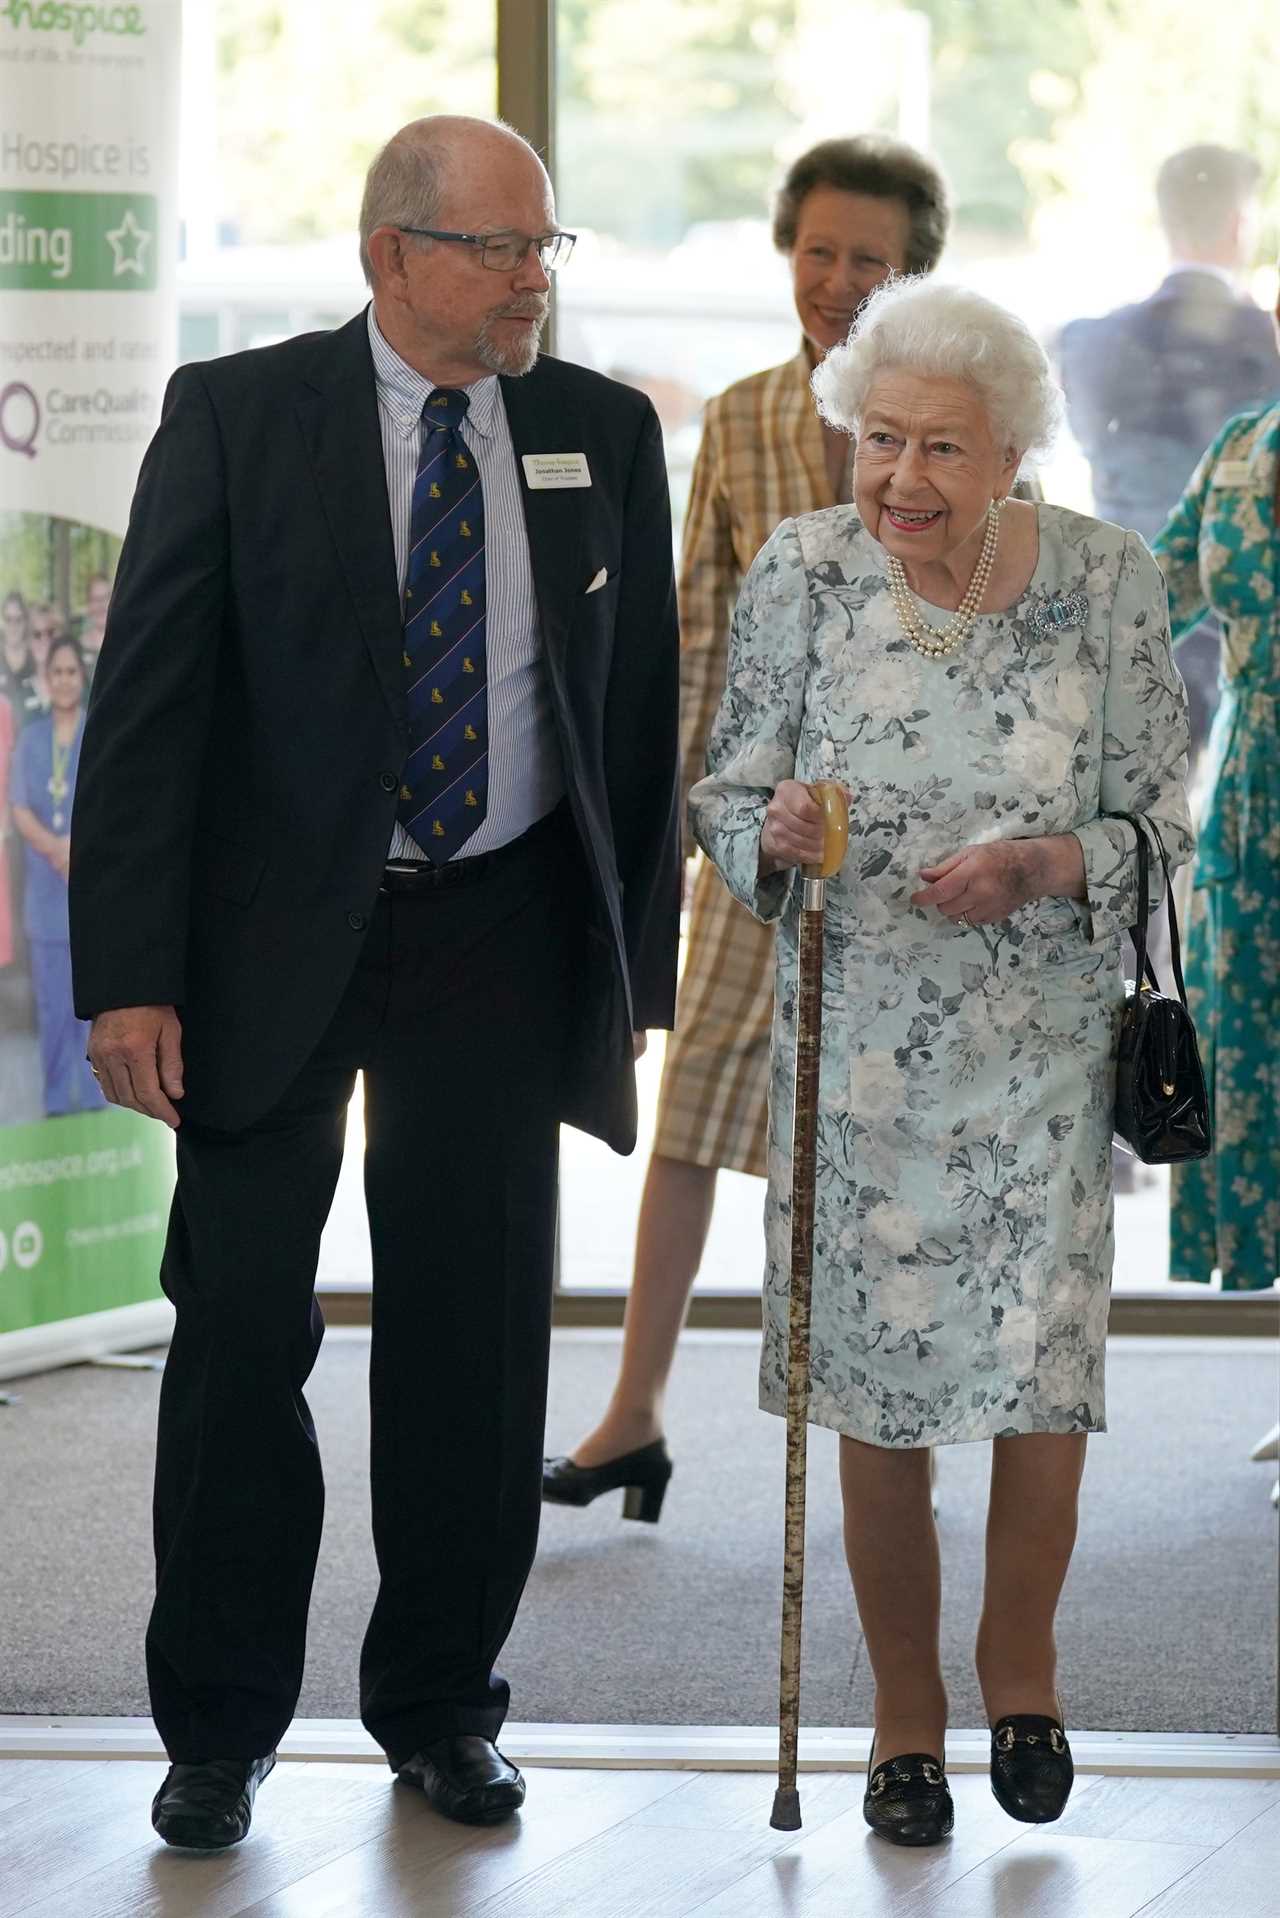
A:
[(60, 857), (793, 833), (640, 1042), (136, 1055)]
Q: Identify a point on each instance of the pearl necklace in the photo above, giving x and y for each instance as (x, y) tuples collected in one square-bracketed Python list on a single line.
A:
[(929, 640)]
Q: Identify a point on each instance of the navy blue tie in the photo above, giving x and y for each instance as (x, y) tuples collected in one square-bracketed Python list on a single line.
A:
[(444, 794)]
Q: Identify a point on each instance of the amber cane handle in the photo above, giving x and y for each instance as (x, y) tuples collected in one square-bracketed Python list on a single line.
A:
[(834, 801)]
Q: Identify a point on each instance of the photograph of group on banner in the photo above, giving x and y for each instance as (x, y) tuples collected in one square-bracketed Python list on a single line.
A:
[(56, 584), (89, 238)]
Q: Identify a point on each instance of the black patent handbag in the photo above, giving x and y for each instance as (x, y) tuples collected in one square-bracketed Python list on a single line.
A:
[(1162, 1103)]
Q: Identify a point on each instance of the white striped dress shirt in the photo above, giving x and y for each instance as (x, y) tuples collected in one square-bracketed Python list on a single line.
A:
[(526, 776)]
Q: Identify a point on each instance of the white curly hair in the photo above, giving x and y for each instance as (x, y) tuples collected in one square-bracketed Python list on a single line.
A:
[(914, 324)]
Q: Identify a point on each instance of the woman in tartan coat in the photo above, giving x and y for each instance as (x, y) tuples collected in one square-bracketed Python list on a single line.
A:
[(849, 212)]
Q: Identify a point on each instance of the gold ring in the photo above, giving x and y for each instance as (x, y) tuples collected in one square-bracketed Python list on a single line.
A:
[(966, 921)]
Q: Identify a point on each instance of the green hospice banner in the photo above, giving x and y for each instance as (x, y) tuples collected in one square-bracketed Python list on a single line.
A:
[(79, 19), (83, 1202), (88, 318), (78, 242)]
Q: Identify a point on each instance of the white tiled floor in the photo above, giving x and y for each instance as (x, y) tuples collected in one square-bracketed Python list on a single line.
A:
[(343, 1841)]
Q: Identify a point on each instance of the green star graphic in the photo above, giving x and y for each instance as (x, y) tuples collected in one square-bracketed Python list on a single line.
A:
[(129, 243)]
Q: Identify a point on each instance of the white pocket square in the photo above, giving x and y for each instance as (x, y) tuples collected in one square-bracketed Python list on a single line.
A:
[(599, 580)]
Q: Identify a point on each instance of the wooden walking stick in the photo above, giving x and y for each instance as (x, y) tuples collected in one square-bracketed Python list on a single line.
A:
[(804, 1145)]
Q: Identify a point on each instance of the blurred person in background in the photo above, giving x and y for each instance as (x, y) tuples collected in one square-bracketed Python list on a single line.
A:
[(42, 787), (7, 737), (17, 669), (850, 212), (18, 700), (1149, 386), (93, 621), (46, 626), (1221, 551)]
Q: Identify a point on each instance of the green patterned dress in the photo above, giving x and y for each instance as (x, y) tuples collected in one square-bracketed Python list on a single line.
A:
[(1221, 550)]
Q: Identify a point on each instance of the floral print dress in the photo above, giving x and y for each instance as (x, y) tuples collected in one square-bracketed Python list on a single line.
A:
[(1221, 549), (963, 1235)]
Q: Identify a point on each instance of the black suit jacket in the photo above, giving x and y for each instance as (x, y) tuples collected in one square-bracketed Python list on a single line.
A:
[(1149, 386), (247, 729)]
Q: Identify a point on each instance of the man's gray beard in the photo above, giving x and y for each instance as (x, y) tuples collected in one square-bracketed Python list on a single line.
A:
[(513, 357)]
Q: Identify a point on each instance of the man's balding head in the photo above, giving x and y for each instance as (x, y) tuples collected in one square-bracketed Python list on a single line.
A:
[(450, 307), (1204, 194), (427, 166)]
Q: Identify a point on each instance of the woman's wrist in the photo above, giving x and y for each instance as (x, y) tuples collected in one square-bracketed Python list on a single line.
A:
[(1060, 862)]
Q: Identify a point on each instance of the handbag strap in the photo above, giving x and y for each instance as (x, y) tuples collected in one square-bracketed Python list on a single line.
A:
[(1175, 943), (1138, 931)]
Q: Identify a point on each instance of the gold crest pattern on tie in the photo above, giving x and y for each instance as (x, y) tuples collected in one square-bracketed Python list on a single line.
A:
[(445, 778)]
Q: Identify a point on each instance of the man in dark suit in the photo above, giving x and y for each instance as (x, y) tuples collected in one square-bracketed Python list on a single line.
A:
[(380, 775), (1149, 385)]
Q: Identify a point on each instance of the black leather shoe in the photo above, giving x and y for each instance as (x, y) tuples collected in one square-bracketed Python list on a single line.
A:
[(643, 1476), (466, 1778), (908, 1799), (1031, 1768), (208, 1806)]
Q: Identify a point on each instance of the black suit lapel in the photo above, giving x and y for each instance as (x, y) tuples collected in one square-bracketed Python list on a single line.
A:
[(546, 422), (338, 413)]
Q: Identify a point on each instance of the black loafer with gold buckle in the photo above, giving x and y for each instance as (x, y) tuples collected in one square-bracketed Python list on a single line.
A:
[(1031, 1768), (908, 1799)]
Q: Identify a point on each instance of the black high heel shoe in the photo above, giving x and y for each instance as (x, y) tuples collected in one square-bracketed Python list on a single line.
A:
[(1031, 1767), (642, 1475), (908, 1799)]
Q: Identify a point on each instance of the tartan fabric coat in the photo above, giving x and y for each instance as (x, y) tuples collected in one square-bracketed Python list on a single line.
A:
[(762, 459)]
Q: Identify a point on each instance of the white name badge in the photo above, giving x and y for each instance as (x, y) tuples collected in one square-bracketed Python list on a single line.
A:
[(543, 470), (1232, 473)]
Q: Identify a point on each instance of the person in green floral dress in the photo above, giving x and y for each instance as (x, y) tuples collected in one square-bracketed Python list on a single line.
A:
[(1221, 550)]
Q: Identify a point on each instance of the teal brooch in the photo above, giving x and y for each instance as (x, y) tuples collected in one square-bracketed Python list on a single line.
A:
[(1058, 615)]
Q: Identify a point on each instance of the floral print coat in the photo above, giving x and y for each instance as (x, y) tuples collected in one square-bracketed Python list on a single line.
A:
[(963, 1233), (1221, 549)]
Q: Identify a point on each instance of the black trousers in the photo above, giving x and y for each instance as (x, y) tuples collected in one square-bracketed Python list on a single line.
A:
[(457, 1015)]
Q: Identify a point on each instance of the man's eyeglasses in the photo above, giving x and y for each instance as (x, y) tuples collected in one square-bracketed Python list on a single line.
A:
[(504, 252)]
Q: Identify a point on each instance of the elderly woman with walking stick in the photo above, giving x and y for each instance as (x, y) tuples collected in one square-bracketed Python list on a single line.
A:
[(989, 679)]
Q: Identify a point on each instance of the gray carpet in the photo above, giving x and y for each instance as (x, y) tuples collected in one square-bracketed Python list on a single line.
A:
[(1168, 1622)]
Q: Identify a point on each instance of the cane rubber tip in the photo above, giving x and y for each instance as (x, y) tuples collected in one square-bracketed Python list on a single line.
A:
[(786, 1810)]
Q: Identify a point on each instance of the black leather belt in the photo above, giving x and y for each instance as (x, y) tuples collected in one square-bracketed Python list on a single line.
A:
[(420, 876)]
